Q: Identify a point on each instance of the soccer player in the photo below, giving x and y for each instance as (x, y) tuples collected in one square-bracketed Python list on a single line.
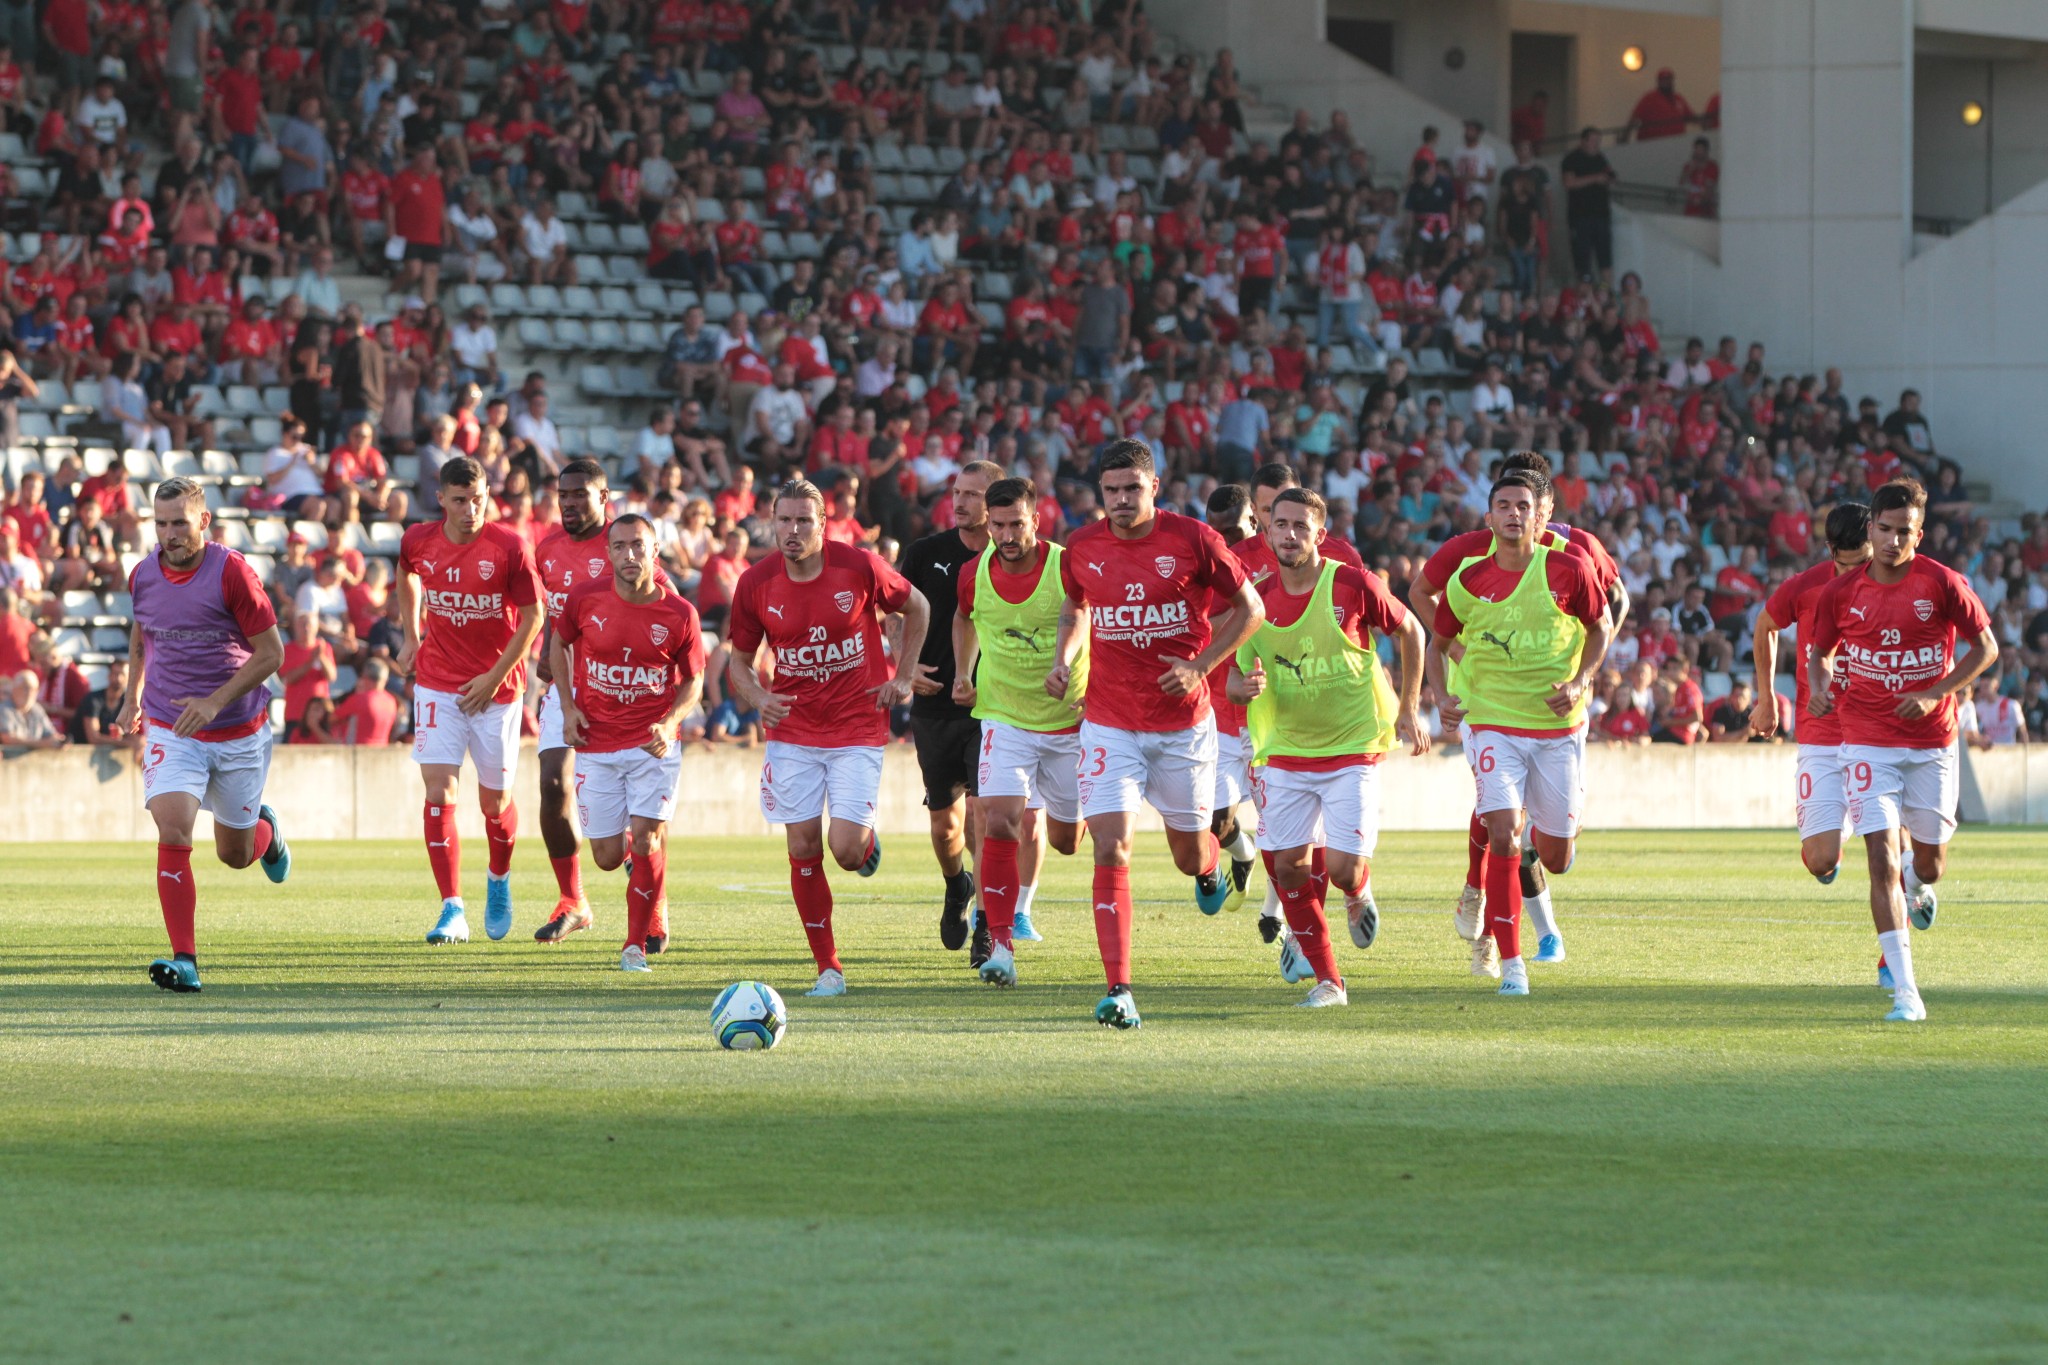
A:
[(1005, 629), (1230, 516), (1526, 627), (1893, 623), (574, 553), (1256, 553), (469, 603), (1821, 802), (947, 736), (629, 658), (1423, 595), (1321, 719), (203, 643), (1146, 579), (826, 707)]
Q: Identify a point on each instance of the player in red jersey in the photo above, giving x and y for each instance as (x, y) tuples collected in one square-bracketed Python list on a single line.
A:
[(630, 658), (1147, 580), (574, 553), (470, 605), (1470, 919), (1889, 629), (1255, 552), (816, 607), (203, 642), (1822, 805)]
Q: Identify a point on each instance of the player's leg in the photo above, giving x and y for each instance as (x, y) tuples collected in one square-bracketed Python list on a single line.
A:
[(1288, 810), (647, 887), (440, 741), (1875, 781), (1233, 788), (945, 802), (793, 796), (494, 747), (1051, 819), (558, 825), (175, 809), (1032, 837), (245, 828), (1180, 783), (1111, 784), (853, 787), (1001, 882), (1351, 831), (1499, 764), (1554, 789), (1933, 786), (601, 787)]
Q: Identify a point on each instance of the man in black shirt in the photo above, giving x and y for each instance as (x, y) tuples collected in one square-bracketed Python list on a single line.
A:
[(1587, 207), (93, 722), (947, 735)]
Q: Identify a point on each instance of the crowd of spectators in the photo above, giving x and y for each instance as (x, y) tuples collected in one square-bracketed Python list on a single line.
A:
[(1104, 252)]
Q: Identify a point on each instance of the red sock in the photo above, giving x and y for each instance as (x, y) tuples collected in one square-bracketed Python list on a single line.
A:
[(644, 890), (814, 908), (1504, 904), (178, 895), (1319, 870), (1475, 854), (1304, 914), (444, 850), (1266, 857), (1113, 921), (504, 833), (262, 834), (1881, 963), (1213, 858), (999, 887), (569, 877)]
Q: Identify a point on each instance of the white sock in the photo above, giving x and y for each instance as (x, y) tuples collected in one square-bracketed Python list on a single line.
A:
[(1541, 918), (1898, 955), (1914, 886), (1240, 846), (1272, 906), (1024, 895)]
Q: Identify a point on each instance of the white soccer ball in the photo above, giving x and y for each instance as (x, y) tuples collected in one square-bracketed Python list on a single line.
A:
[(748, 1016)]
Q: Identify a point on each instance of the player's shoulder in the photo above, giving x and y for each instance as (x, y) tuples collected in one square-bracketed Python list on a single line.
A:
[(1090, 532), (1193, 530), (583, 592), (1344, 552), (1842, 586), (763, 571), (497, 533), (840, 555), (1466, 544), (1355, 576), (418, 534), (1933, 571)]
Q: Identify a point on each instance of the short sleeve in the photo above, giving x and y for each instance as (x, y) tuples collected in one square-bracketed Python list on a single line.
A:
[(1578, 591), (568, 627), (1965, 610), (246, 600), (1072, 585), (406, 546), (1378, 607), (1217, 567), (1827, 630), (743, 624), (689, 651), (525, 588), (963, 591), (892, 589), (1438, 568)]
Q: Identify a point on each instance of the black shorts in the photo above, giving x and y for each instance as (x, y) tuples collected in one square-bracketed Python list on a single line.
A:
[(426, 253), (949, 756), (292, 505)]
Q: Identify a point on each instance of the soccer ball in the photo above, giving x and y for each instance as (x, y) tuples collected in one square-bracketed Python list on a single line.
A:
[(748, 1016)]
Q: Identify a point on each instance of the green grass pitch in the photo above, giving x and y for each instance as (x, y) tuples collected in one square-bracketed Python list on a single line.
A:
[(1697, 1141)]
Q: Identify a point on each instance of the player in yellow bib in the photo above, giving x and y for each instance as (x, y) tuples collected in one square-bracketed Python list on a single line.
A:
[(1525, 627), (1320, 716), (1005, 639)]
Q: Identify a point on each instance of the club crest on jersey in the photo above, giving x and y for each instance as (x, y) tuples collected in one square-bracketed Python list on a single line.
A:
[(1166, 564), (658, 633), (485, 568), (843, 601), (1923, 609), (596, 568)]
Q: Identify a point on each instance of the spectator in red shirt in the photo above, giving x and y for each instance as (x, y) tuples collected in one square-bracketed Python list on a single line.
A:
[(308, 671), (1662, 112), (948, 331), (238, 108), (359, 484), (368, 714), (417, 216), (1624, 721), (251, 351)]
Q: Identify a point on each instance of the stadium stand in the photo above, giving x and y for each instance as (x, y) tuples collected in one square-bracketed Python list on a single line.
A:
[(299, 253)]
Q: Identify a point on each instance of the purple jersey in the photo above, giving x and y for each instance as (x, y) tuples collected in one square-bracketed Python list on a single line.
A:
[(196, 630)]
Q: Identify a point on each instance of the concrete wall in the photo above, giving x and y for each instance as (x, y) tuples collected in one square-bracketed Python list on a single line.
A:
[(333, 793), (1605, 92)]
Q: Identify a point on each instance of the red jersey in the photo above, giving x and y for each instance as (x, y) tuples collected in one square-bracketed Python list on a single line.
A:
[(1895, 638), (418, 207), (827, 642), (470, 596), (1148, 603), (365, 716), (565, 562), (312, 683), (1364, 604), (1573, 540), (348, 465), (628, 661), (1257, 252), (1791, 606), (366, 192)]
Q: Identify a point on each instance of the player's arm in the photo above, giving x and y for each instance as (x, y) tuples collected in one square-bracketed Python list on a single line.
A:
[(482, 688), (1239, 686), (1618, 604), (408, 619), (752, 692), (557, 657), (910, 626), (1227, 632), (1820, 658), (681, 704), (966, 654), (1763, 655), (1964, 671), (1410, 644), (266, 652), (1599, 634)]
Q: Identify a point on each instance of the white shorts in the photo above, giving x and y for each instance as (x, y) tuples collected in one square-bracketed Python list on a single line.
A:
[(1233, 770), (551, 721), (1339, 809), (1037, 766), (1174, 770), (227, 775), (1821, 803), (1916, 789), (1540, 774), (799, 783), (612, 789), (441, 733)]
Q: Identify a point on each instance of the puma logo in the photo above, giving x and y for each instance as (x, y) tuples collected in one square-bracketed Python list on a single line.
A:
[(821, 924), (995, 890), (1029, 639), (429, 565), (1106, 905), (1493, 639), (1857, 612), (597, 621), (178, 877), (1095, 566), (1295, 666), (432, 844), (942, 568), (776, 612), (643, 891)]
